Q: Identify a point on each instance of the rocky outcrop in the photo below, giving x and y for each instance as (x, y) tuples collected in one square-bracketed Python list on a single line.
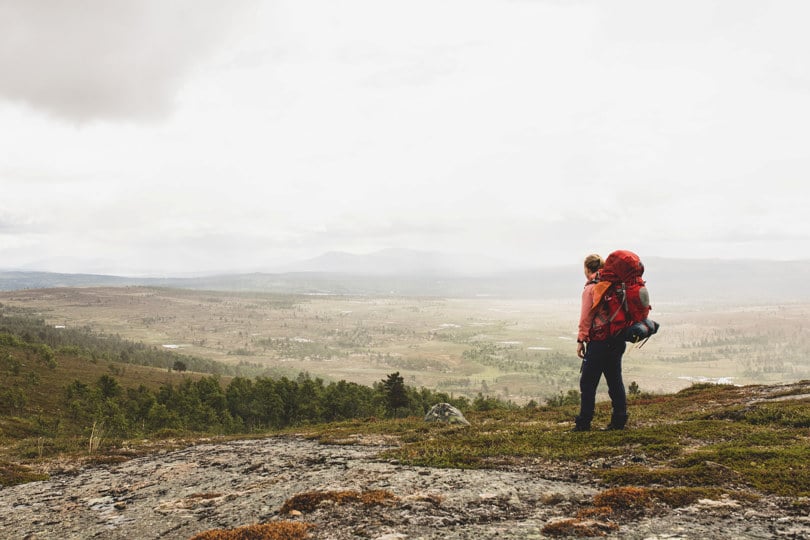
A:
[(179, 494)]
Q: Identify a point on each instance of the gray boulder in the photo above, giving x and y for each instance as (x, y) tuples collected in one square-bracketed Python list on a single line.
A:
[(444, 412)]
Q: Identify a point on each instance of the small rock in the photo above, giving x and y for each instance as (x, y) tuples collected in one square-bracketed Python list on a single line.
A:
[(444, 412)]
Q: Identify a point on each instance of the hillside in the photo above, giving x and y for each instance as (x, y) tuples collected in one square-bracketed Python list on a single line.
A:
[(101, 436), (708, 462)]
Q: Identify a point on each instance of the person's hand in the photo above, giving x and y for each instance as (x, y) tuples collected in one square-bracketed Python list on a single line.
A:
[(580, 349)]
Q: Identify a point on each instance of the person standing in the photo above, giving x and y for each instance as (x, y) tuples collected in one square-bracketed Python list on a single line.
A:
[(601, 355)]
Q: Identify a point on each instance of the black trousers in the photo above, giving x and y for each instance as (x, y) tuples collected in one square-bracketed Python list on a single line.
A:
[(602, 358)]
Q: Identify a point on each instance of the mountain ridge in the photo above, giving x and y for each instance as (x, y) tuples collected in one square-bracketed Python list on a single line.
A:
[(415, 273)]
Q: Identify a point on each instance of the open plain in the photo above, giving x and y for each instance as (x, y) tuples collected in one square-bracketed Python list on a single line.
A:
[(518, 350)]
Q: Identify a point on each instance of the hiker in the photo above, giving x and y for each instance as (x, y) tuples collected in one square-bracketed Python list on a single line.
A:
[(600, 355)]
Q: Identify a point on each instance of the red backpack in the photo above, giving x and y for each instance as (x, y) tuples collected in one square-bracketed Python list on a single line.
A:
[(622, 299)]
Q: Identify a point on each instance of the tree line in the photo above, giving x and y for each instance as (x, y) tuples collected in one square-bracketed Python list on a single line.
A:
[(244, 405)]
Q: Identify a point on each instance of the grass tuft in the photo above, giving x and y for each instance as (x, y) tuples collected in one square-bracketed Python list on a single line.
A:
[(625, 500)]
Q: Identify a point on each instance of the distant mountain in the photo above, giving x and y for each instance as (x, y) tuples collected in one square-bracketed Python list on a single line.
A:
[(398, 262), (413, 273)]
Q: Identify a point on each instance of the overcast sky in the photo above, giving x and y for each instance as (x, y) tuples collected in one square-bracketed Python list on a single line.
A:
[(153, 137)]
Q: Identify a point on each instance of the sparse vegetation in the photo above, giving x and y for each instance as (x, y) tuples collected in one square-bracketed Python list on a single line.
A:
[(670, 443)]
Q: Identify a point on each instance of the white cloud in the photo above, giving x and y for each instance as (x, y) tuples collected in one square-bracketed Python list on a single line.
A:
[(97, 59), (528, 130)]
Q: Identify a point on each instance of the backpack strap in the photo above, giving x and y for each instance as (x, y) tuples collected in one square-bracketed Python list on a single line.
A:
[(623, 304)]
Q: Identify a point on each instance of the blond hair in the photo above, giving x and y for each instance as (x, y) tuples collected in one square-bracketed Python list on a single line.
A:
[(594, 262)]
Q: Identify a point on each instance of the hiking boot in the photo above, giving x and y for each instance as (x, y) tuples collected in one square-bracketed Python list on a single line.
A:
[(617, 422), (581, 428)]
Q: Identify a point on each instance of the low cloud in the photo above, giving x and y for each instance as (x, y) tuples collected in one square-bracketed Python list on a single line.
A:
[(106, 59)]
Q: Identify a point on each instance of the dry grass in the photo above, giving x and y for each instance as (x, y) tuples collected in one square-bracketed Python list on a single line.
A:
[(599, 512), (625, 501), (278, 530), (625, 504)]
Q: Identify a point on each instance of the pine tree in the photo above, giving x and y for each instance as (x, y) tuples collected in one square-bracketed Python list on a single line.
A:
[(396, 395)]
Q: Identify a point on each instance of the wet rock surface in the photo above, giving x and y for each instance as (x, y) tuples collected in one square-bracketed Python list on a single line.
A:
[(181, 493)]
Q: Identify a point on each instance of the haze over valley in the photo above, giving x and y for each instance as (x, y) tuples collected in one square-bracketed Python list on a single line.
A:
[(509, 334)]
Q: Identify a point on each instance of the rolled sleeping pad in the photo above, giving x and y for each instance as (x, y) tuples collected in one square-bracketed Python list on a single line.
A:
[(641, 330)]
